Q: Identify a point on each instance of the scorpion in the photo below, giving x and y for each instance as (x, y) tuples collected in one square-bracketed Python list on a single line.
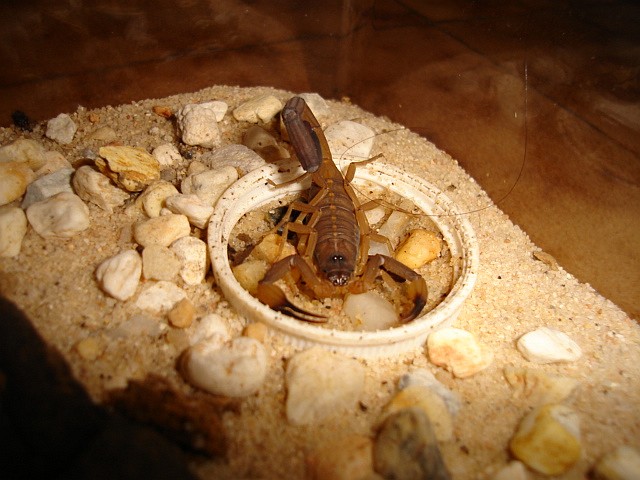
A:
[(332, 254)]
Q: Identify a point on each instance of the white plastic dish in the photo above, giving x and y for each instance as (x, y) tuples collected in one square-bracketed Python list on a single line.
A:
[(253, 191)]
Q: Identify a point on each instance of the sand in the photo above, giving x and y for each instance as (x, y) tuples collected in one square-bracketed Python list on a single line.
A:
[(53, 282)]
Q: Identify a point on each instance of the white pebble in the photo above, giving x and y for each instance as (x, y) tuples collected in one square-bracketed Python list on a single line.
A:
[(192, 253), (370, 311), (209, 185), (63, 215), (119, 275), (162, 230), (92, 186), (24, 150), (394, 226), (198, 125), (458, 351), (61, 129), (159, 263), (621, 464), (154, 196), (547, 345), (257, 109), (208, 326), (239, 156), (350, 140), (14, 178), (236, 368), (321, 384), (318, 105), (47, 186), (192, 207), (161, 297), (167, 155), (513, 471), (13, 227)]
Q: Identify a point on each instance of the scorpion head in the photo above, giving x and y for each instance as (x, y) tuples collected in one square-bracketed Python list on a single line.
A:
[(337, 270)]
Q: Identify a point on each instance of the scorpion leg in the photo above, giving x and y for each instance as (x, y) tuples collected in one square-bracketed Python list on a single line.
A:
[(273, 296), (415, 288)]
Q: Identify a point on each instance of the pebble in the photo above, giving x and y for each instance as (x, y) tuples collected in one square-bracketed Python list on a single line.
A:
[(162, 230), (370, 311), (424, 377), (239, 156), (420, 248), (432, 404), (119, 275), (90, 348), (513, 471), (182, 314), (393, 227), (62, 215), (539, 387), (548, 439), (318, 105), (13, 227), (547, 345), (621, 464), (321, 384), (92, 186), (53, 161), (406, 448), (458, 351), (270, 249), (236, 368), (264, 144), (258, 109), (47, 186), (257, 331), (104, 134), (154, 196), (14, 179), (194, 260), (192, 207), (350, 458), (159, 263), (208, 326), (138, 325), (209, 185), (161, 297), (167, 155), (198, 125), (61, 129), (350, 140), (131, 168), (24, 150), (249, 273)]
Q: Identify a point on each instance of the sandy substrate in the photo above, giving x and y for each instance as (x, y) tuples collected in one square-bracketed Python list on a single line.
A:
[(53, 282)]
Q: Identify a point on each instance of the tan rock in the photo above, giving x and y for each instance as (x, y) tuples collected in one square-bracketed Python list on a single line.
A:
[(420, 248), (182, 314), (159, 263), (458, 351), (13, 227), (63, 215), (14, 179), (548, 439), (92, 186), (131, 168), (24, 150), (163, 230), (350, 458), (256, 330), (621, 464)]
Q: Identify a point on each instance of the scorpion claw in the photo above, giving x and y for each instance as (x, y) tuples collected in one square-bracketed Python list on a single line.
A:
[(275, 298), (417, 292)]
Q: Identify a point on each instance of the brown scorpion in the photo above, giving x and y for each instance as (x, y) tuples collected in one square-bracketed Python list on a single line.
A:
[(332, 257)]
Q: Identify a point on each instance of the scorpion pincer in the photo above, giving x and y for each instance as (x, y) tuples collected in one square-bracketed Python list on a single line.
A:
[(332, 258)]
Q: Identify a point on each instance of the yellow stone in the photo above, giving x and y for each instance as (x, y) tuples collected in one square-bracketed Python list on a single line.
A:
[(547, 439), (269, 249), (420, 248), (131, 168), (257, 331), (182, 314), (249, 273)]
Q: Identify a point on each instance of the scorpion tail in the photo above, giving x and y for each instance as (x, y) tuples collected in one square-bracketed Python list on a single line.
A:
[(275, 298), (416, 293)]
